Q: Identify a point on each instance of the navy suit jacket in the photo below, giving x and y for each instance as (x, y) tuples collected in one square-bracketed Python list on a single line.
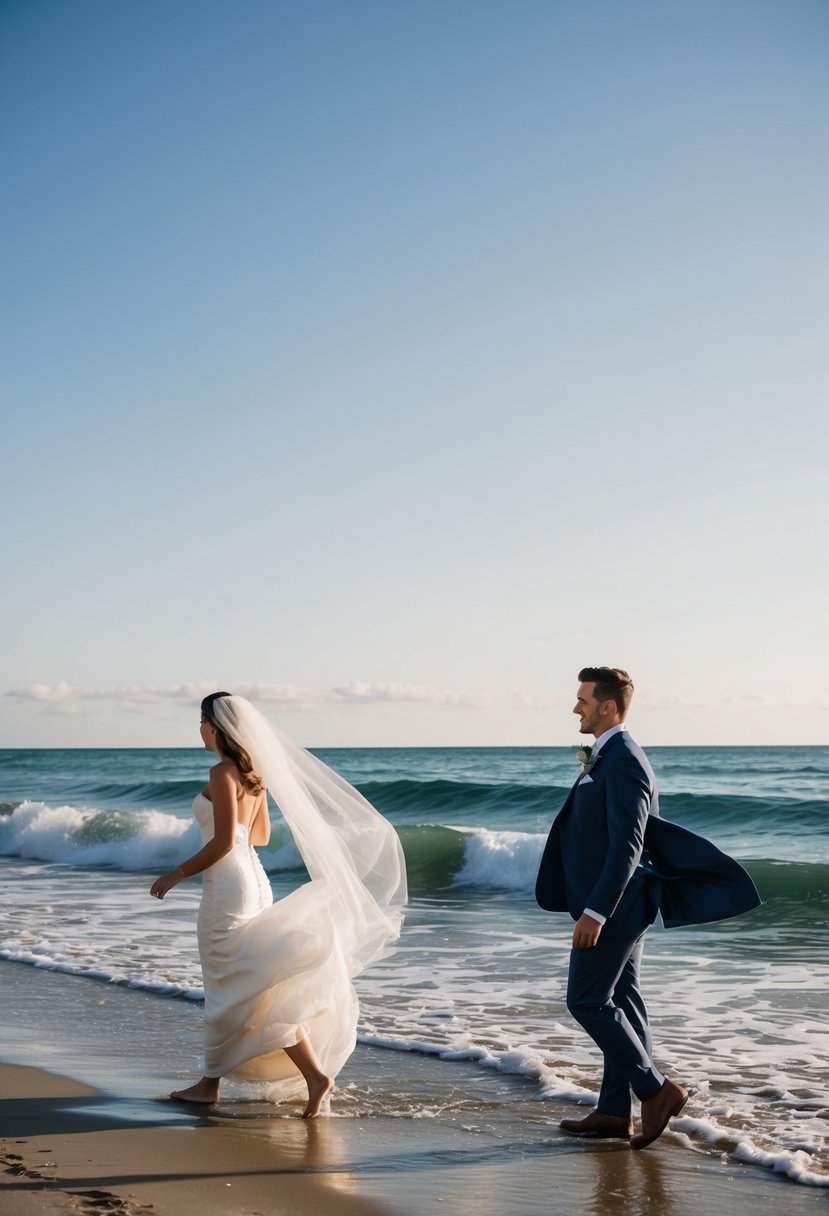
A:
[(609, 850)]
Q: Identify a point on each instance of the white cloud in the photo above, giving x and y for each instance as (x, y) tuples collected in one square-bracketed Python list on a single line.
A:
[(651, 699), (64, 700), (413, 694), (125, 693), (41, 692), (286, 696)]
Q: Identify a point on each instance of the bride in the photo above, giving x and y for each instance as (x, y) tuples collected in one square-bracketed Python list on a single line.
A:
[(279, 1003)]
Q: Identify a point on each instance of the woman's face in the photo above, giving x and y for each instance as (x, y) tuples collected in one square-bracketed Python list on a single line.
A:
[(208, 734)]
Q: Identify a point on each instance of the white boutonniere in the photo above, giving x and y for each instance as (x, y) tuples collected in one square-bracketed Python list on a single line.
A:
[(586, 759)]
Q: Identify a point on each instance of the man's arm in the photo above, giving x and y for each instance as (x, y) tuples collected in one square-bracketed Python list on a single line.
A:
[(628, 796)]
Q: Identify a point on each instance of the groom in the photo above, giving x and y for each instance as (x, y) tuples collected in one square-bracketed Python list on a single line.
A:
[(613, 864)]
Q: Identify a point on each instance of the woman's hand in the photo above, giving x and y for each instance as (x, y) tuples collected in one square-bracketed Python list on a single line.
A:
[(166, 883)]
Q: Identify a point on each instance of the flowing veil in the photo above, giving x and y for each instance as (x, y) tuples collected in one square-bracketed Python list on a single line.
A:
[(349, 849)]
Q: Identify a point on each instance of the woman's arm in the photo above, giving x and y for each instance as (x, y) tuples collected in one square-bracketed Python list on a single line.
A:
[(222, 786)]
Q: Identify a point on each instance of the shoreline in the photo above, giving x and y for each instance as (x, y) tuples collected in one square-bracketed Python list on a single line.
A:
[(67, 1148), (407, 1131)]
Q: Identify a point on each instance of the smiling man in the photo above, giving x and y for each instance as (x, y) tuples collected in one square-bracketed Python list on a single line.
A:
[(613, 864), (593, 854)]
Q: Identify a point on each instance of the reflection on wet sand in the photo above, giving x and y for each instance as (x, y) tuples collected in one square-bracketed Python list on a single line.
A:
[(626, 1182)]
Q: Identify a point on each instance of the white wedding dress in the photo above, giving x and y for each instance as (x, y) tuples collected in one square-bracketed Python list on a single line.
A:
[(272, 971)]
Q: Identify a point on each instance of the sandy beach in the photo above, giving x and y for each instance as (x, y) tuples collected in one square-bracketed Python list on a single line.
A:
[(67, 1148), (95, 1133)]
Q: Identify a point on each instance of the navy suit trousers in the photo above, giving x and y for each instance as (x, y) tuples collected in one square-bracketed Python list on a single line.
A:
[(603, 996)]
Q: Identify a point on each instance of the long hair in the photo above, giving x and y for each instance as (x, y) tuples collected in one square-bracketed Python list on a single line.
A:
[(231, 751)]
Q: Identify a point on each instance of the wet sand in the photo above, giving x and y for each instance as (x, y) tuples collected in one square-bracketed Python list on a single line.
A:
[(408, 1133)]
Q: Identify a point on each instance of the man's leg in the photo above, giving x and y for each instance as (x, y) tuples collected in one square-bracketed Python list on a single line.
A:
[(595, 973), (614, 1096)]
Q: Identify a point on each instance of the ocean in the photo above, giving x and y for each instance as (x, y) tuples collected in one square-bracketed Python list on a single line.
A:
[(477, 981)]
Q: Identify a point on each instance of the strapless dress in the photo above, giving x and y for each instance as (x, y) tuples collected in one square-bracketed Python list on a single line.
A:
[(271, 971)]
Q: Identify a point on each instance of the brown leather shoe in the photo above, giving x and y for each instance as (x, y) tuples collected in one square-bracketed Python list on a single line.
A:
[(599, 1126), (657, 1111)]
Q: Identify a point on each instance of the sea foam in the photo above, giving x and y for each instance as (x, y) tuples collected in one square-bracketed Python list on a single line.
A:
[(121, 840), (505, 861)]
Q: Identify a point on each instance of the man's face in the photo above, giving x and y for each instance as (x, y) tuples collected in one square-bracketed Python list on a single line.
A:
[(588, 710)]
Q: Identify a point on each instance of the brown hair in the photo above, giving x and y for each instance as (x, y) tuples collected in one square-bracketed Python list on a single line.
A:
[(612, 684), (252, 782)]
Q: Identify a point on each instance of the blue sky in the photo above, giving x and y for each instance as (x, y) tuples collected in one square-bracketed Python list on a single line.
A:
[(391, 362)]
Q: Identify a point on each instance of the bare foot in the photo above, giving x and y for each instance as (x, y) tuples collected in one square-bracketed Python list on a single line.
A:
[(205, 1091), (318, 1091)]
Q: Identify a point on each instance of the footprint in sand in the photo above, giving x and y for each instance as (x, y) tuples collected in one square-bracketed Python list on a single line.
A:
[(13, 1164), (94, 1202)]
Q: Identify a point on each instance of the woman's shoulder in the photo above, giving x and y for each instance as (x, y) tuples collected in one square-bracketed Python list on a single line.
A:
[(224, 773)]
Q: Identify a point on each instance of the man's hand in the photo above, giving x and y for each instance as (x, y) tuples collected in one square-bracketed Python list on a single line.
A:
[(586, 932)]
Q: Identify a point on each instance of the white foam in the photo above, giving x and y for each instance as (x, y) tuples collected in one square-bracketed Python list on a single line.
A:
[(503, 861), (519, 1062), (41, 959), (129, 841), (794, 1165), (85, 837)]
